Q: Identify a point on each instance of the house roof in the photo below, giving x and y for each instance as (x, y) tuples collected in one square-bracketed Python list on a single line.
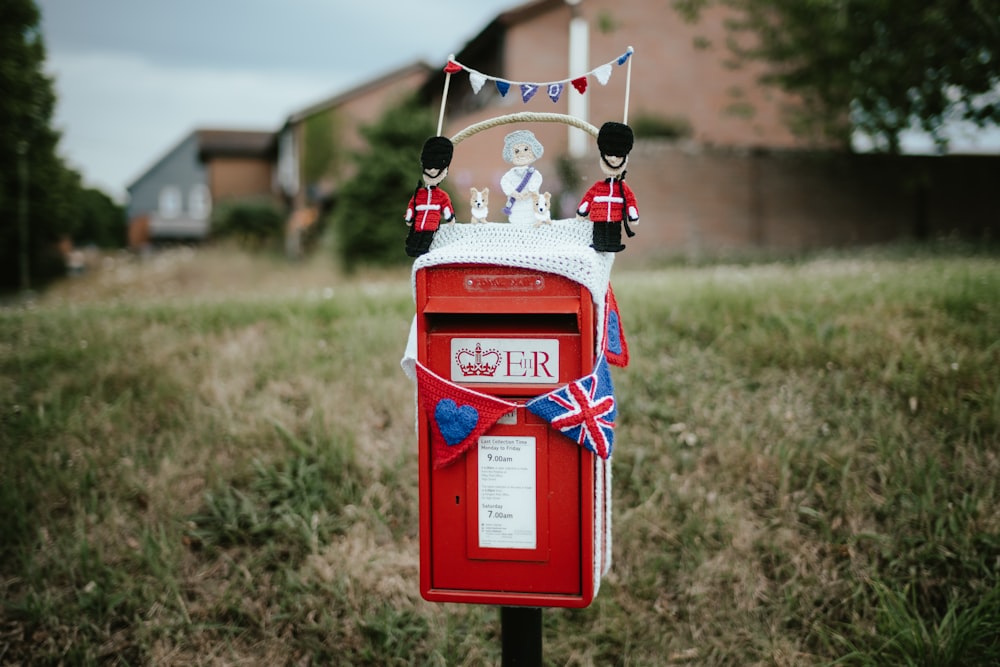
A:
[(235, 143), (489, 40), (371, 84), (219, 143), (506, 19)]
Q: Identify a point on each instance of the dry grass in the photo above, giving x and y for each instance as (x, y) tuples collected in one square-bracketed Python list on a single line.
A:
[(208, 458)]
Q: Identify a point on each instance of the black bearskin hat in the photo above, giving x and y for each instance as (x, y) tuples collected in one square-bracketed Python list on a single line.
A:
[(615, 139), (437, 153)]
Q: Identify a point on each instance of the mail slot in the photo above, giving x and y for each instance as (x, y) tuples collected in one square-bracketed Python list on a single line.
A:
[(518, 517)]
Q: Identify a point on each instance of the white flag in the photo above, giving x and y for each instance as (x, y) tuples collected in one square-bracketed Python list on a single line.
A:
[(476, 80), (603, 73)]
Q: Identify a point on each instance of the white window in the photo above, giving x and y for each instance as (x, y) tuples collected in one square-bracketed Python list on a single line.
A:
[(199, 202), (170, 202)]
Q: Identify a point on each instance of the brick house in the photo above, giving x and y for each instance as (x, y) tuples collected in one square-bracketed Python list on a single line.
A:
[(314, 143), (680, 77), (733, 178), (681, 72), (738, 179), (331, 127), (173, 199)]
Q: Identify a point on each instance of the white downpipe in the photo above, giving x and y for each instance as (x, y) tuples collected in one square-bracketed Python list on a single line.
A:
[(579, 58)]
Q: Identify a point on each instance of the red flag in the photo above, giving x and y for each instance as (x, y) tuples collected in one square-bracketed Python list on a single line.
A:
[(457, 416), (580, 84), (452, 67)]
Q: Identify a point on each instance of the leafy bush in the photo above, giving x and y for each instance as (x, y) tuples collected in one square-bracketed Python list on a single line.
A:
[(254, 223), (297, 500), (368, 215), (651, 126)]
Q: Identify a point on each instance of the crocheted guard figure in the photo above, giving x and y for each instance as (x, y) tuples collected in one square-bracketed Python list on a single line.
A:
[(610, 202), (429, 203), (521, 149)]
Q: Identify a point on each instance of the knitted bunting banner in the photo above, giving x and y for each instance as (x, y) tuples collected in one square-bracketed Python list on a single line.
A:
[(458, 416), (554, 89), (615, 345), (583, 410)]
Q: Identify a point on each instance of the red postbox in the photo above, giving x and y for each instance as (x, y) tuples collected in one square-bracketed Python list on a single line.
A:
[(519, 518)]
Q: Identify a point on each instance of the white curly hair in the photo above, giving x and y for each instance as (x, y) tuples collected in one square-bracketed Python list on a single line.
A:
[(521, 137)]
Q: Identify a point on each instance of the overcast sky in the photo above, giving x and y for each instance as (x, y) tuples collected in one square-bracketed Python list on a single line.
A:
[(134, 77)]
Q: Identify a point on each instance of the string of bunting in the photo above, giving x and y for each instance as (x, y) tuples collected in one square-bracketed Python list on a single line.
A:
[(554, 89)]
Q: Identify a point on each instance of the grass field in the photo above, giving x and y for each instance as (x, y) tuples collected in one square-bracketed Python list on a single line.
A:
[(208, 458)]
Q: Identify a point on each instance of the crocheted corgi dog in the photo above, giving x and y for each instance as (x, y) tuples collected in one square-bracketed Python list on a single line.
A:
[(480, 204), (541, 204)]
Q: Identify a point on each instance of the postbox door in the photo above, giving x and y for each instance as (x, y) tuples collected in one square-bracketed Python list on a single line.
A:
[(512, 521), (507, 518)]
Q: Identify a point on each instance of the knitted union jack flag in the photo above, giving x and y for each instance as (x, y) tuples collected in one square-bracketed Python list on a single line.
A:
[(583, 410)]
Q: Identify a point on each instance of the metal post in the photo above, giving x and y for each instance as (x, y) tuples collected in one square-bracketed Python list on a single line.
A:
[(22, 214), (521, 636)]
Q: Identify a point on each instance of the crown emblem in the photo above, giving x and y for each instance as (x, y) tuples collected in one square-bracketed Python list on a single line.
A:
[(478, 362)]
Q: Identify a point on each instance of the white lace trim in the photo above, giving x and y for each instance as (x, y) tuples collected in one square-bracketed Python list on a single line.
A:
[(562, 248)]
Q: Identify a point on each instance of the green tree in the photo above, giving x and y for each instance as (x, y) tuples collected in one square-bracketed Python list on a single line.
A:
[(877, 66), (368, 214), (99, 219), (36, 188), (321, 158)]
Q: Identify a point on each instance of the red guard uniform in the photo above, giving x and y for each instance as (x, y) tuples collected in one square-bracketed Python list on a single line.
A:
[(604, 203), (427, 207)]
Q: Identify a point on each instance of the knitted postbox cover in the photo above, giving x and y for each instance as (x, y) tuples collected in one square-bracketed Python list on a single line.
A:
[(562, 248)]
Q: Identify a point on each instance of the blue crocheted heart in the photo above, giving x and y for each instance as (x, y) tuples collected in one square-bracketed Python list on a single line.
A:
[(614, 334), (454, 422)]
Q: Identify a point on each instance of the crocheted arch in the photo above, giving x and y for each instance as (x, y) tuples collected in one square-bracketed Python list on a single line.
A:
[(524, 117)]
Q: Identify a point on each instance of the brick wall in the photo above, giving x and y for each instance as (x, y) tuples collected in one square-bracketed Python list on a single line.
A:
[(239, 177), (697, 201)]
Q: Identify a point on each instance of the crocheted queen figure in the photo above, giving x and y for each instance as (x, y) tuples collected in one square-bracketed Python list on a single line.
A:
[(429, 203), (610, 203), (521, 149)]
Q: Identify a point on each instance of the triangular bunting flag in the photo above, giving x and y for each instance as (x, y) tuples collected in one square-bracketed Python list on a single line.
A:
[(502, 87), (603, 73), (615, 345), (583, 410), (458, 416), (623, 57), (528, 91), (476, 80), (452, 67), (555, 90), (580, 84)]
